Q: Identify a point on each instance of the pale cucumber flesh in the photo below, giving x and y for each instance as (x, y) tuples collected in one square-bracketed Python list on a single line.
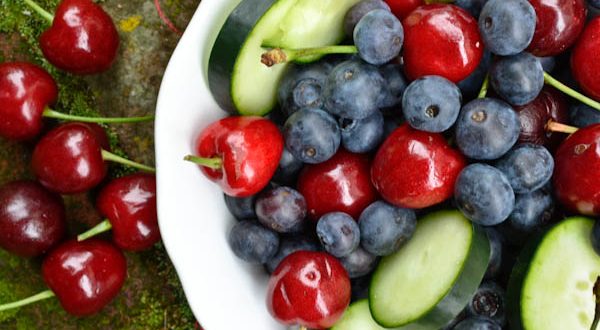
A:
[(357, 317)]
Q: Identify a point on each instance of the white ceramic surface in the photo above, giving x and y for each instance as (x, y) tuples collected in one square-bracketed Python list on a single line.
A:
[(223, 292)]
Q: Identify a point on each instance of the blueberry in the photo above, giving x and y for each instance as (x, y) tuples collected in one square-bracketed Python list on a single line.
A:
[(472, 6), (242, 208), (312, 135), (431, 104), (507, 26), (359, 10), (489, 301), (582, 115), (527, 167), (302, 85), (378, 36), (362, 135), (289, 245), (282, 209), (252, 242), (477, 323), (532, 211), (384, 228), (338, 233), (288, 168), (394, 86), (360, 287), (594, 3), (353, 89), (518, 79), (471, 85), (484, 195), (359, 263), (596, 237), (495, 263), (487, 128), (548, 63)]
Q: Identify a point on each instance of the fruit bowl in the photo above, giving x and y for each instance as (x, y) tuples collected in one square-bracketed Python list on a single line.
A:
[(223, 291)]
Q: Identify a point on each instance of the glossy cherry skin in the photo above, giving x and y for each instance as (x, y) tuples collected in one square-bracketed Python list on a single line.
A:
[(584, 63), (550, 104), (340, 184), (68, 159), (32, 219), (558, 24), (441, 40), (416, 169), (577, 171), (85, 276), (250, 149), (83, 38), (401, 8), (25, 90), (308, 288), (129, 203)]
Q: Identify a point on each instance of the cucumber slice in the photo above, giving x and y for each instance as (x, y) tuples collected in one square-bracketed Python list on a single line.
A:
[(237, 79), (551, 286), (432, 278), (357, 317)]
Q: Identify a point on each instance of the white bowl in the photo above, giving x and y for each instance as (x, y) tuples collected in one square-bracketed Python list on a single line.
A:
[(223, 292)]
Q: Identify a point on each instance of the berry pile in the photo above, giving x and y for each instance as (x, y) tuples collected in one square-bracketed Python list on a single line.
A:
[(431, 106)]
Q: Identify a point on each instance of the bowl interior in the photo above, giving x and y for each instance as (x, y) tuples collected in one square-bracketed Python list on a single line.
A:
[(223, 291)]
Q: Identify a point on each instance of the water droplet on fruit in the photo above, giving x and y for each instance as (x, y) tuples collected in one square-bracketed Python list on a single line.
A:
[(479, 116)]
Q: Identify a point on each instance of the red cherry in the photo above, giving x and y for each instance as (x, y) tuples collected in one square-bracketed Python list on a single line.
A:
[(85, 276), (416, 169), (558, 24), (549, 105), (577, 171), (82, 39), (25, 91), (129, 203), (401, 8), (310, 289), (584, 63), (240, 153), (32, 219), (341, 184), (441, 40)]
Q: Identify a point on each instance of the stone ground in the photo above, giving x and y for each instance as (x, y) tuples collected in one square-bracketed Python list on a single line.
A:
[(152, 297)]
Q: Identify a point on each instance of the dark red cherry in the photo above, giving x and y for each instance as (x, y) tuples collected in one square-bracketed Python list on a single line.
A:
[(85, 276), (83, 38), (558, 24), (416, 169), (342, 184), (584, 60), (401, 8), (308, 288), (32, 219), (68, 159), (441, 40), (577, 171), (25, 91), (550, 104)]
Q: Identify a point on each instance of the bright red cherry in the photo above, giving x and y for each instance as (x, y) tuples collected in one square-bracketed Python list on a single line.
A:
[(558, 24), (240, 153), (401, 8), (32, 219), (341, 184), (85, 276), (416, 169), (441, 40), (584, 63), (308, 288), (577, 171), (83, 38), (25, 91)]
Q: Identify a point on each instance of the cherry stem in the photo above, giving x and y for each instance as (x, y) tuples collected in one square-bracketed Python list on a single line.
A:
[(484, 87), (100, 228), (215, 163), (553, 126), (571, 92), (41, 11), (280, 55), (37, 297), (107, 155), (49, 113)]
